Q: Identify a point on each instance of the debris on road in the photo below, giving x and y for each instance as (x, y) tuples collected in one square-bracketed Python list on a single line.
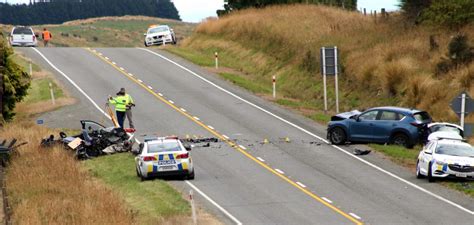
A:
[(361, 152)]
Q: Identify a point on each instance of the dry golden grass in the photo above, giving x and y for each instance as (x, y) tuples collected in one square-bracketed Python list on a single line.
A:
[(47, 186), (387, 62)]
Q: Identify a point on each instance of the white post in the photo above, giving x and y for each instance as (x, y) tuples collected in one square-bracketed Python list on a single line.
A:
[(336, 73), (193, 207), (463, 109), (274, 86), (217, 60), (324, 81), (52, 93), (31, 70)]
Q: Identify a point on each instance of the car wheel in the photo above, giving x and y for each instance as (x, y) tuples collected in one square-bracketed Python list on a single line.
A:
[(146, 45), (401, 139), (431, 179), (190, 176), (418, 173), (138, 173), (337, 136)]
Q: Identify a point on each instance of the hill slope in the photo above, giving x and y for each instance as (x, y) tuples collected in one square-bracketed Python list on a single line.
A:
[(384, 62)]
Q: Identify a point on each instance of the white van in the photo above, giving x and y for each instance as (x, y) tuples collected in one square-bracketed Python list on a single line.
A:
[(23, 36)]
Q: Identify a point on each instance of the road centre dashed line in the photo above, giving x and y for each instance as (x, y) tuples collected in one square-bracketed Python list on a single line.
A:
[(130, 74), (210, 127), (121, 68), (151, 88), (100, 110), (114, 63), (184, 110), (355, 216), (326, 199), (280, 171), (263, 160), (242, 150), (197, 118), (140, 81), (242, 147), (107, 58), (301, 184), (314, 135)]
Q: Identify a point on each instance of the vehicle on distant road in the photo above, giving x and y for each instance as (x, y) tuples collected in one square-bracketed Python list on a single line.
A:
[(23, 36), (445, 157), (159, 34), (164, 156), (394, 125)]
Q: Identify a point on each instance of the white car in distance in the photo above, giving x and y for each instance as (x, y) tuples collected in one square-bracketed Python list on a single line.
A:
[(445, 157), (23, 36), (159, 34), (164, 156)]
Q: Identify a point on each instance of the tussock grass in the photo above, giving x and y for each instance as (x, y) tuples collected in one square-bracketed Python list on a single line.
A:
[(383, 63), (47, 186)]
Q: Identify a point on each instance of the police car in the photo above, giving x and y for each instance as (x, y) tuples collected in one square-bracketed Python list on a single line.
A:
[(164, 156), (159, 34), (446, 157)]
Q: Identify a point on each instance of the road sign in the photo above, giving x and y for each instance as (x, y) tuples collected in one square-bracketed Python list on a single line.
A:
[(468, 129), (329, 66), (456, 104)]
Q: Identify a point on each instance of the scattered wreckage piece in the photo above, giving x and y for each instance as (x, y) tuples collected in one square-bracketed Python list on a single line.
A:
[(94, 140), (6, 150)]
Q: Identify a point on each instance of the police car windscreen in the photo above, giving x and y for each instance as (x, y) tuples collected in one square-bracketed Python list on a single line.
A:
[(455, 150), (157, 30), (22, 30), (163, 147)]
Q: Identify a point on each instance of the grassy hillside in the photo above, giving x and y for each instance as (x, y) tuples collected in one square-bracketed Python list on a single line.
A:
[(384, 62), (125, 31)]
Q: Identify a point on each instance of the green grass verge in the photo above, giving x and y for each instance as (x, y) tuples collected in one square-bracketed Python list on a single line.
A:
[(398, 154), (24, 64), (195, 57), (39, 90), (152, 200), (466, 187), (245, 83)]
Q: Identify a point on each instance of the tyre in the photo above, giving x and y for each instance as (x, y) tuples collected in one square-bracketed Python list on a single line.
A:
[(418, 173), (337, 136), (146, 45), (190, 176), (138, 173), (431, 179), (401, 139)]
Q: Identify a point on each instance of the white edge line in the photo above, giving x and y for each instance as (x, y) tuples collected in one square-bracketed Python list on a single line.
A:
[(242, 147), (315, 136), (355, 216), (214, 203), (280, 171), (327, 200), (197, 118), (98, 108), (300, 184), (72, 82), (263, 160)]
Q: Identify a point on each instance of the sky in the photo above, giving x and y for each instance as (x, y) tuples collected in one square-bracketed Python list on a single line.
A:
[(197, 10)]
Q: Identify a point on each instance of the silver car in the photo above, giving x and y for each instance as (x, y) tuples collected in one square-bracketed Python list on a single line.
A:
[(23, 36), (164, 156), (158, 35)]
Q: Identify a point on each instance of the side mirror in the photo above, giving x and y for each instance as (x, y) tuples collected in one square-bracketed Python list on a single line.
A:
[(187, 147)]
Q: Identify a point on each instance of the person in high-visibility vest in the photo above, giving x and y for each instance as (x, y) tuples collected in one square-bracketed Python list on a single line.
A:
[(129, 108), (46, 36), (120, 102)]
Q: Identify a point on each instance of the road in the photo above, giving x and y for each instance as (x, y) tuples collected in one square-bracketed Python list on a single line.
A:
[(303, 181)]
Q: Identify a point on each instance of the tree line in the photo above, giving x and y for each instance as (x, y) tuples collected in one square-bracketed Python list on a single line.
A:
[(453, 14), (56, 12), (242, 4)]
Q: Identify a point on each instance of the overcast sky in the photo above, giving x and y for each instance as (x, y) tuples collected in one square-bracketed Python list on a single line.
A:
[(196, 10)]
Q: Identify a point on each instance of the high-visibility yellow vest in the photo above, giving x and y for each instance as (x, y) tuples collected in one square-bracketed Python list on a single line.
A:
[(129, 99), (120, 103)]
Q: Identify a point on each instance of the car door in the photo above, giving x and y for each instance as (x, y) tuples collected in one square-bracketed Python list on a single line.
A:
[(385, 124), (362, 128), (426, 157)]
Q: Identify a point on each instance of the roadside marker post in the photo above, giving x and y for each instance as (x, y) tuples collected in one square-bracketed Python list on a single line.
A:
[(31, 69), (217, 60), (193, 207), (52, 93), (274, 86), (463, 108), (335, 74), (323, 59)]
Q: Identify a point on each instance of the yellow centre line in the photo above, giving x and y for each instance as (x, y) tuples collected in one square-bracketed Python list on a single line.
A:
[(229, 142)]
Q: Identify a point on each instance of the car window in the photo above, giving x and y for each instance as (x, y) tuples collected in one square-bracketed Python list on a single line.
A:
[(163, 147), (422, 117), (22, 30), (455, 150), (157, 30), (371, 115), (92, 126), (388, 115), (428, 147)]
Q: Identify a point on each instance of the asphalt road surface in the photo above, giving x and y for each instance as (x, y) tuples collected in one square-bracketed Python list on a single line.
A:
[(303, 181)]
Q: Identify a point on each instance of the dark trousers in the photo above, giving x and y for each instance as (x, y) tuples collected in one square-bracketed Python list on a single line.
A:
[(120, 118)]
